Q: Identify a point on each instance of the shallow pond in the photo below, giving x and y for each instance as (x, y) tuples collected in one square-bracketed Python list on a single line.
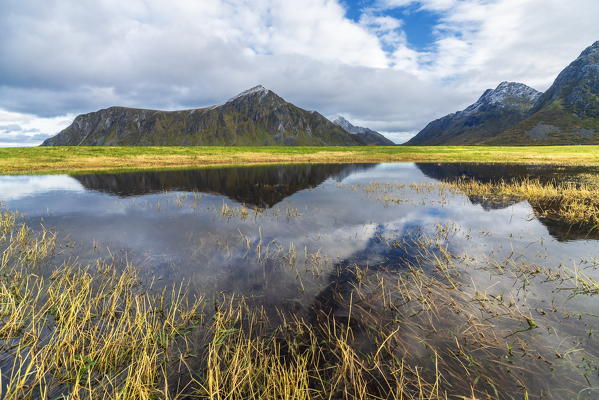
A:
[(286, 236)]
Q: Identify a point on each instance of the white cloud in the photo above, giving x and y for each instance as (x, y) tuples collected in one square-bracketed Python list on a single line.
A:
[(18, 129), (484, 42), (63, 58), (19, 187)]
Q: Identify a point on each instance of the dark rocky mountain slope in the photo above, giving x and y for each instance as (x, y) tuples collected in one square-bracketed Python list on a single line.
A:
[(257, 116), (495, 111)]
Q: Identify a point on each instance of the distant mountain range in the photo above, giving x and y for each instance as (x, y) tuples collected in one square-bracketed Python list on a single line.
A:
[(369, 136), (510, 114), (515, 114), (257, 116)]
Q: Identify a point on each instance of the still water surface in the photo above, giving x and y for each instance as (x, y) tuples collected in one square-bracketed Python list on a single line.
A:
[(203, 226), (236, 230)]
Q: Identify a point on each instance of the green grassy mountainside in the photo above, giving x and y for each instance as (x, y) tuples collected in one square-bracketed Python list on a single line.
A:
[(255, 117)]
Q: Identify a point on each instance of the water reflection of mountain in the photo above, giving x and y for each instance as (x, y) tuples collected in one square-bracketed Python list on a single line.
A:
[(495, 172), (262, 186), (487, 173)]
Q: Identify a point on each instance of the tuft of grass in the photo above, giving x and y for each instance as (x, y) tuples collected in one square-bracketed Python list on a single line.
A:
[(572, 203), (82, 332)]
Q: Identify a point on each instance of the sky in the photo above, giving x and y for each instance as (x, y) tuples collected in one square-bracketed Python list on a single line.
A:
[(390, 65)]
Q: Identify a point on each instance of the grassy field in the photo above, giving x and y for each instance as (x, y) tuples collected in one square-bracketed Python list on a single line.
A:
[(49, 160)]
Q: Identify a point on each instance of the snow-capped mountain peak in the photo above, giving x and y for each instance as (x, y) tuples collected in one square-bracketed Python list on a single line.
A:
[(348, 126), (370, 136), (259, 90), (504, 94)]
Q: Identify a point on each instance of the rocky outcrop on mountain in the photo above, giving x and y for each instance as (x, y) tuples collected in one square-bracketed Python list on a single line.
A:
[(568, 112), (577, 86), (495, 111), (369, 136), (257, 116)]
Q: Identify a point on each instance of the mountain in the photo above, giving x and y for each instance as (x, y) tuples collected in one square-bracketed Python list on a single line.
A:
[(514, 114), (257, 116), (568, 112), (369, 136), (495, 111)]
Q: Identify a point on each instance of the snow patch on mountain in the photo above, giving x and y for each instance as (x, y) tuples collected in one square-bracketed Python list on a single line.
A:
[(259, 90), (370, 136), (345, 124), (505, 95)]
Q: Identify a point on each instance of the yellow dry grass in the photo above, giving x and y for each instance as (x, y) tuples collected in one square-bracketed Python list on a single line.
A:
[(572, 203)]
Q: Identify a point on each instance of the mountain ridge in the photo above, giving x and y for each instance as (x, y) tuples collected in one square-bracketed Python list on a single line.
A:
[(369, 136), (510, 114), (494, 111)]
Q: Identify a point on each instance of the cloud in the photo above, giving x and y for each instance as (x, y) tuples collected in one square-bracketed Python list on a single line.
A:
[(64, 58), (10, 128), (399, 137), (19, 187), (18, 129), (481, 43)]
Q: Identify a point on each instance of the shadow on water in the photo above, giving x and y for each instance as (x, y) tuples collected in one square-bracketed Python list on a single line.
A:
[(494, 173), (262, 186)]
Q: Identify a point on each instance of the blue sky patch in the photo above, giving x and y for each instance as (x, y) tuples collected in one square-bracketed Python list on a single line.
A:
[(418, 25)]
